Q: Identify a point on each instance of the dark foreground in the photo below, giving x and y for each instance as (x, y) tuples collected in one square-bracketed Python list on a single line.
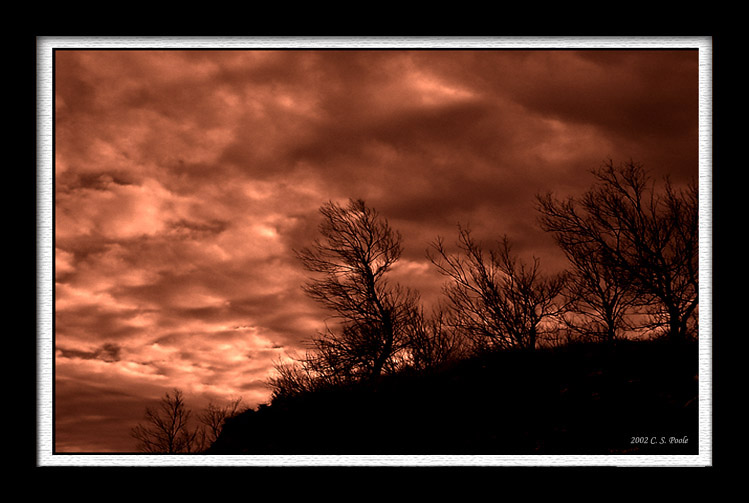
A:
[(631, 398)]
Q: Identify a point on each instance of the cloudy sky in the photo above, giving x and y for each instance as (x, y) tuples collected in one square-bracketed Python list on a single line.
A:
[(184, 180)]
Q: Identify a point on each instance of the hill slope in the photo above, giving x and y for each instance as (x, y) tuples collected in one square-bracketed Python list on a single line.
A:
[(579, 399)]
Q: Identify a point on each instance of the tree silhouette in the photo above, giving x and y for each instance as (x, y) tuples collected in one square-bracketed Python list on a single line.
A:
[(167, 428), (640, 237), (432, 342), (213, 418), (599, 297), (350, 262), (497, 300)]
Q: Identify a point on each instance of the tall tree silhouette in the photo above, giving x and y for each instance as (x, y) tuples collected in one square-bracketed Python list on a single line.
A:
[(350, 262), (167, 429), (497, 300), (644, 238), (600, 298)]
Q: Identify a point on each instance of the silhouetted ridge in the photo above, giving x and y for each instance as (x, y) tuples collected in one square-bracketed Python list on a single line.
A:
[(577, 399)]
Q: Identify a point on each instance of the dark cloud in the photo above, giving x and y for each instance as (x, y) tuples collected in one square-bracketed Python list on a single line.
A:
[(95, 323), (633, 95), (195, 230), (108, 352)]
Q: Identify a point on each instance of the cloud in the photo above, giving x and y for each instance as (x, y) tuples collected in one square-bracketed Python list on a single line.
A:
[(107, 352)]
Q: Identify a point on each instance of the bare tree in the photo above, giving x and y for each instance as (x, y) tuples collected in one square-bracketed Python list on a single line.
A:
[(432, 342), (599, 298), (640, 237), (600, 303), (497, 300), (213, 417), (167, 428), (350, 263)]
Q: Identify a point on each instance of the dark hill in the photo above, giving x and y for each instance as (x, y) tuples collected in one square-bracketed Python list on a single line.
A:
[(578, 399)]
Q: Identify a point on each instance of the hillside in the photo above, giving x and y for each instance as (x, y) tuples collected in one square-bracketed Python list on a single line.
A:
[(578, 399)]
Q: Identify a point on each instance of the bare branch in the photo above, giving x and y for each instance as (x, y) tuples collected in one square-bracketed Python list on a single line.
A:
[(629, 245), (496, 300)]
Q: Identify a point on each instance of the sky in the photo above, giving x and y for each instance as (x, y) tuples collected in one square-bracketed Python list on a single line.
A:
[(184, 180)]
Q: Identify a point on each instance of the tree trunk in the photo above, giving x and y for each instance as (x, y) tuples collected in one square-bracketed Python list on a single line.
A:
[(677, 326), (532, 339), (387, 334)]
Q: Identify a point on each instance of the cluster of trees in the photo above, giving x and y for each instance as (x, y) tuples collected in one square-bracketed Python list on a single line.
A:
[(632, 249), (170, 429)]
